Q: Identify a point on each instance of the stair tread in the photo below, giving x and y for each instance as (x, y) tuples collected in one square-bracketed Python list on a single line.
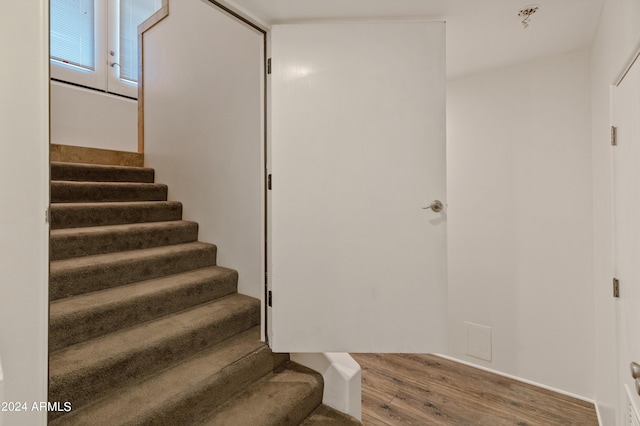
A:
[(87, 241), (83, 214), (80, 185), (79, 356), (106, 184), (78, 191), (100, 172), (280, 399), (106, 299), (90, 315), (111, 205), (59, 266), (121, 228), (97, 166), (111, 349), (181, 381), (81, 275)]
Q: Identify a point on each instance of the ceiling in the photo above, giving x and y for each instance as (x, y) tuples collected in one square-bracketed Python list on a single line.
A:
[(481, 34)]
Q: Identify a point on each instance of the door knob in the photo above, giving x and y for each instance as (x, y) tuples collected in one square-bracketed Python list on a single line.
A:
[(436, 206), (635, 370)]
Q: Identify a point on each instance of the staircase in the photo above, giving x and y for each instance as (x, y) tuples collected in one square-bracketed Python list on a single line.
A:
[(145, 328)]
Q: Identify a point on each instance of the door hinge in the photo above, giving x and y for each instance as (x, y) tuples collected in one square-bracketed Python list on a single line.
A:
[(269, 299), (47, 215), (269, 182), (269, 66), (614, 136), (616, 287)]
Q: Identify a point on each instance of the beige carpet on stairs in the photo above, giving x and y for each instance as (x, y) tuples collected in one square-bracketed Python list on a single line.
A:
[(146, 328)]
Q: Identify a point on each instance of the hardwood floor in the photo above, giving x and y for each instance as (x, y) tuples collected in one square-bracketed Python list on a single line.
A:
[(407, 389)]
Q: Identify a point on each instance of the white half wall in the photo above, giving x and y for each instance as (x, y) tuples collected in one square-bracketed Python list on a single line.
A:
[(203, 87), (342, 377), (84, 117), (24, 171), (520, 222), (617, 39)]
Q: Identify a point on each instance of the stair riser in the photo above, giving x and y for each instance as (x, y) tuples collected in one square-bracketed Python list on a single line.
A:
[(81, 280), (194, 408), (82, 192), (65, 331), (79, 216), (85, 386), (93, 173), (80, 243)]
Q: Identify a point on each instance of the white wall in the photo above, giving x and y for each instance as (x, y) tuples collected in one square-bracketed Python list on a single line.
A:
[(1, 388), (616, 40), (203, 129), (520, 221), (83, 117), (24, 134)]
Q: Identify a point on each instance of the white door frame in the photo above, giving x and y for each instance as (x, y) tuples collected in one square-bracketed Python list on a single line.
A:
[(622, 371), (359, 155)]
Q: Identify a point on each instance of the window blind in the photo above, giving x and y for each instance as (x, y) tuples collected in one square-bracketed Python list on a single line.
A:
[(132, 14), (72, 32)]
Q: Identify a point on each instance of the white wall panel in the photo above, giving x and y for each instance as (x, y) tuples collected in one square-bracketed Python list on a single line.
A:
[(83, 117), (203, 128), (24, 143), (520, 219)]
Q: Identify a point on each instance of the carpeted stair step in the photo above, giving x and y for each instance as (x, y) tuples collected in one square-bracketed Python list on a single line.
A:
[(283, 398), (79, 215), (182, 394), (79, 192), (87, 316), (145, 329), (89, 370), (100, 173), (77, 242), (81, 275), (327, 416)]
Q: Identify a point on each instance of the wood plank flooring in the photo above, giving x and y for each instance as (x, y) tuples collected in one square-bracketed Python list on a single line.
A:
[(408, 389)]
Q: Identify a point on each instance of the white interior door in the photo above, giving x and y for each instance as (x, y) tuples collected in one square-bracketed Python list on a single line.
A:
[(626, 178), (357, 151)]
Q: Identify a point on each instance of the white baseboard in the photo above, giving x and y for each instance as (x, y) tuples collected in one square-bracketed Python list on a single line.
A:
[(520, 379)]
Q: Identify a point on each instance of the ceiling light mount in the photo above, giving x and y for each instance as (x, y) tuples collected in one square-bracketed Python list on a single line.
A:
[(526, 13)]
